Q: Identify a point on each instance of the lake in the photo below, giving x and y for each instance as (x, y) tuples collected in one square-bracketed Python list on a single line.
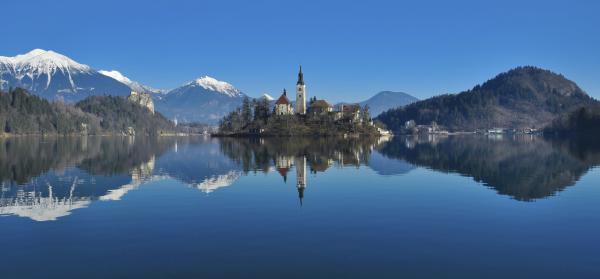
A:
[(405, 207)]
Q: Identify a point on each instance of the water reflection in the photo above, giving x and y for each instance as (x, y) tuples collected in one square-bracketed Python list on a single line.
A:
[(47, 178), (523, 167)]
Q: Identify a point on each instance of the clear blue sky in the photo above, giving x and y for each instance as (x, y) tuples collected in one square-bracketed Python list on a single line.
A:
[(349, 49)]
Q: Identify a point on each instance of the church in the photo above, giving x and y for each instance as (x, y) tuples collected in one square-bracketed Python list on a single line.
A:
[(316, 108), (283, 106)]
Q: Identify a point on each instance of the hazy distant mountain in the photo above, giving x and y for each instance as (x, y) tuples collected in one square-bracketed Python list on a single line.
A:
[(135, 86), (386, 100), (54, 76), (520, 98), (202, 100)]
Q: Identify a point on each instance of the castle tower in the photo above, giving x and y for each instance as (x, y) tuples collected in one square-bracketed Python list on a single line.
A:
[(300, 94)]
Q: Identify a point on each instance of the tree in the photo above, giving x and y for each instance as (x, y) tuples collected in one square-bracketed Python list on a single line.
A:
[(246, 111), (366, 115), (261, 110)]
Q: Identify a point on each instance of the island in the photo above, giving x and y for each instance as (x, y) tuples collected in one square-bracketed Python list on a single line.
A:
[(281, 117)]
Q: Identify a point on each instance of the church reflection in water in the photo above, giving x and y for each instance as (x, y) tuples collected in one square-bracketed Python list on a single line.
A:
[(44, 179), (284, 163)]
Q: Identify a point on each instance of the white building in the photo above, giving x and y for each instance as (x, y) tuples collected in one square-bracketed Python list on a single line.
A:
[(283, 105), (300, 94)]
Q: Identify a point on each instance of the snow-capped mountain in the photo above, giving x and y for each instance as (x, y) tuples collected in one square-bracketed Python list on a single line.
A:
[(212, 183), (208, 84), (54, 76), (204, 99), (268, 97), (135, 86)]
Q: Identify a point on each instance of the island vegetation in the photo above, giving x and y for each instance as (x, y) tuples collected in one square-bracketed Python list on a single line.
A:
[(257, 118)]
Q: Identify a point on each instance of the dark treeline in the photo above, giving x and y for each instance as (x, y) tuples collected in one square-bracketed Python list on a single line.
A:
[(256, 116), (23, 113), (583, 123)]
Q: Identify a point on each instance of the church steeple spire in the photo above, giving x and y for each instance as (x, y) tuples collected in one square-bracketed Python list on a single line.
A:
[(300, 77), (300, 94)]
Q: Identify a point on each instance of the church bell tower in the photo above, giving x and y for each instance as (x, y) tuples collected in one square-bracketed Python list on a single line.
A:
[(300, 94)]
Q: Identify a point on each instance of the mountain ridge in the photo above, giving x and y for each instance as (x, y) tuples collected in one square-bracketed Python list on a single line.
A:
[(134, 85)]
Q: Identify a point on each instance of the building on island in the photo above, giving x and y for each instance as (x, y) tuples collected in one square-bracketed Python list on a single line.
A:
[(300, 94), (319, 107), (283, 105), (351, 113)]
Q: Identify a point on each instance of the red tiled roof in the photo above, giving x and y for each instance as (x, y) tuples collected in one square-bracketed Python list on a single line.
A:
[(320, 103), (283, 171), (283, 100)]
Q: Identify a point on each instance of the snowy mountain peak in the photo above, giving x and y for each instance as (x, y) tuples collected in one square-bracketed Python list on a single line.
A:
[(267, 97), (44, 62), (213, 84), (116, 75)]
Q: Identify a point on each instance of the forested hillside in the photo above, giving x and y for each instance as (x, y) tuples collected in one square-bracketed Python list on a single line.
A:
[(117, 114), (23, 113), (582, 123), (525, 97)]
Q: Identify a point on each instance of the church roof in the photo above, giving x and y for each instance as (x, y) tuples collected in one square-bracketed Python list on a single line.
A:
[(283, 100)]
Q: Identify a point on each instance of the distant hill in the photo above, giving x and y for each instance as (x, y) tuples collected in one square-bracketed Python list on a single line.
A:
[(386, 100), (520, 98), (23, 113)]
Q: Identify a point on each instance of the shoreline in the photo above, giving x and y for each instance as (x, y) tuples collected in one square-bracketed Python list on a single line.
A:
[(7, 135)]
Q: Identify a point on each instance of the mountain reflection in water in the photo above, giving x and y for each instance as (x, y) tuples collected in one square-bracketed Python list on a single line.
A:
[(47, 178), (523, 167)]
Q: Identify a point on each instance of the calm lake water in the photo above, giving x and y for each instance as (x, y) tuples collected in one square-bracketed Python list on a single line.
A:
[(450, 207)]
